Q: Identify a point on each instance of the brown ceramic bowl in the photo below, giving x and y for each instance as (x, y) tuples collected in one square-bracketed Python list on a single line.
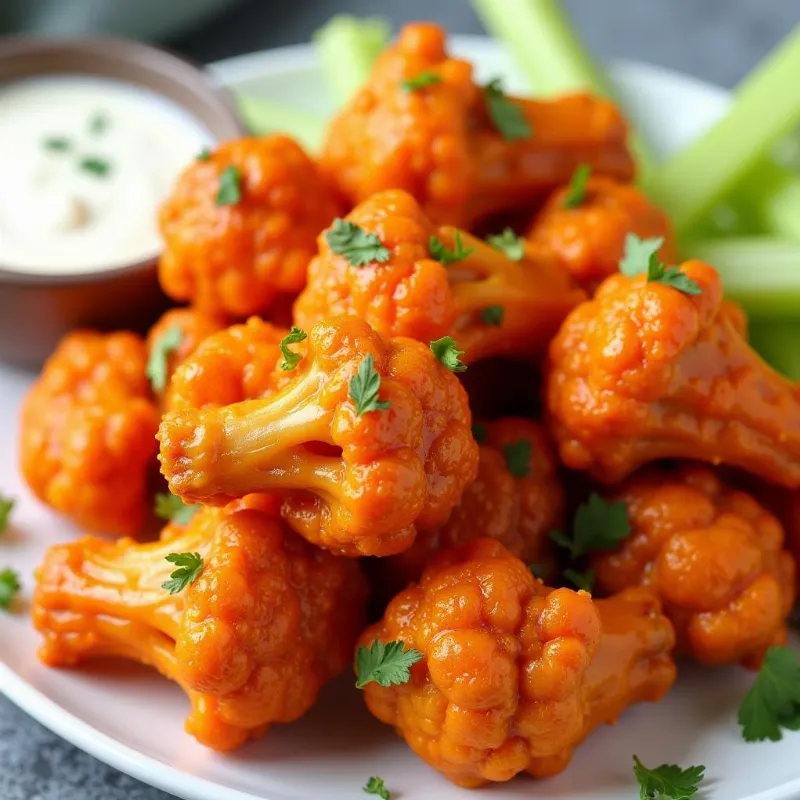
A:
[(37, 310)]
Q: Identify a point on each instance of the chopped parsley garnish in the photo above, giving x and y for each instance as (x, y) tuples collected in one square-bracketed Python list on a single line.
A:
[(479, 432), (204, 155), (667, 782), (506, 115), (95, 165), (385, 664), (493, 315), (576, 191), (364, 388), (444, 254), (358, 246), (518, 458), (509, 243), (377, 786), (189, 566), (98, 123), (421, 80), (169, 507), (290, 358), (598, 525), (230, 186), (446, 350), (641, 256), (581, 580), (773, 701), (9, 586), (157, 369), (6, 507), (58, 144)]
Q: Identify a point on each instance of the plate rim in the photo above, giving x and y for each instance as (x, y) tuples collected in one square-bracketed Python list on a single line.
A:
[(145, 768)]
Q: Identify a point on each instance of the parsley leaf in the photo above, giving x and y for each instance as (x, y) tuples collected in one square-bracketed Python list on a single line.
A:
[(385, 664), (446, 350), (98, 123), (538, 571), (479, 432), (291, 359), (157, 367), (493, 315), (364, 388), (230, 186), (94, 165), (667, 782), (598, 525), (173, 509), (518, 458), (576, 191), (506, 115), (204, 155), (9, 586), (444, 254), (378, 787), (773, 701), (58, 144), (509, 243), (641, 256), (582, 580), (6, 506), (421, 80), (358, 246), (190, 565)]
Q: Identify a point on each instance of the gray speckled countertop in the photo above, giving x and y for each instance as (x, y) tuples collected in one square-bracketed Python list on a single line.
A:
[(718, 40)]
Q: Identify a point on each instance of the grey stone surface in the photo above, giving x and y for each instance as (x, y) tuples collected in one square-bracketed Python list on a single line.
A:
[(718, 40)]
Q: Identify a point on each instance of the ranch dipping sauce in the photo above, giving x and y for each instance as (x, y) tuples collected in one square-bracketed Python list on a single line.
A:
[(84, 165)]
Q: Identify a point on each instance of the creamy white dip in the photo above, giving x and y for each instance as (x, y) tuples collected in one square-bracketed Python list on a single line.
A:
[(84, 164)]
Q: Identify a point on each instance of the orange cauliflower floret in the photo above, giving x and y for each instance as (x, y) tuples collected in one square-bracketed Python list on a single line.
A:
[(588, 240), (714, 556), (239, 227), (88, 431), (441, 144), (644, 371), (269, 620), (356, 483), (412, 294), (514, 675), (516, 499)]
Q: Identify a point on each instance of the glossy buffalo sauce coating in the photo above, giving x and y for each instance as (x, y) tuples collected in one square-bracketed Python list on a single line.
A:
[(588, 240), (358, 484), (240, 226), (251, 641), (516, 499), (87, 432), (714, 556), (515, 675), (440, 144), (413, 294), (644, 371)]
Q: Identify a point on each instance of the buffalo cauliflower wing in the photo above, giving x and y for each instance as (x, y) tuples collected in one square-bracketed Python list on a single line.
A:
[(369, 439), (269, 620), (240, 226), (513, 675), (88, 430), (446, 144), (491, 304)]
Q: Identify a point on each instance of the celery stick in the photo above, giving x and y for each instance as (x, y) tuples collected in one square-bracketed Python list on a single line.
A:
[(347, 47), (773, 195), (262, 116), (778, 343), (760, 272), (765, 108), (548, 50)]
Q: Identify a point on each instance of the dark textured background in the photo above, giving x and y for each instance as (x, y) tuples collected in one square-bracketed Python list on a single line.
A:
[(718, 40)]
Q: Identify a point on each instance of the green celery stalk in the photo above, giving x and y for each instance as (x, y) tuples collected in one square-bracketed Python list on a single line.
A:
[(548, 50), (772, 195), (765, 108), (760, 272), (778, 343), (347, 48), (263, 116)]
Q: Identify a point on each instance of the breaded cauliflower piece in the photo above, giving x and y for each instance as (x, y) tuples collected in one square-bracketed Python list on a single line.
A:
[(269, 620), (240, 226), (87, 438), (514, 675), (440, 143)]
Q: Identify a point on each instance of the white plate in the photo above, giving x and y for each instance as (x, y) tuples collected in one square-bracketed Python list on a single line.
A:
[(133, 720)]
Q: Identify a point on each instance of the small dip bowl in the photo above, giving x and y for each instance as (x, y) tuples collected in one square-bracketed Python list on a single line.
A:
[(36, 310)]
